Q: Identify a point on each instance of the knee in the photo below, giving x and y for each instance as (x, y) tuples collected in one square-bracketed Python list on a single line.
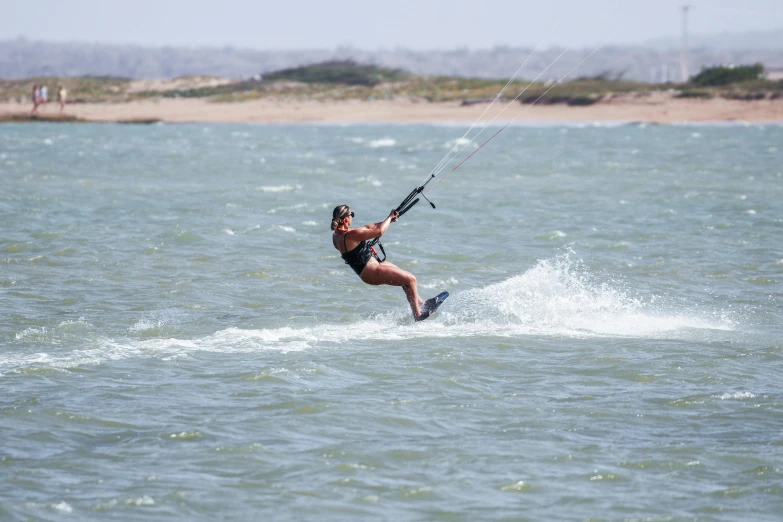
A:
[(411, 279)]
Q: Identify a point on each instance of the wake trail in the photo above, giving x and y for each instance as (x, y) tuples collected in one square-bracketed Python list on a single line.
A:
[(557, 297)]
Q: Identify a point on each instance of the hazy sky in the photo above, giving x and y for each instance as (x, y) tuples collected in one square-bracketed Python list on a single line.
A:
[(374, 24)]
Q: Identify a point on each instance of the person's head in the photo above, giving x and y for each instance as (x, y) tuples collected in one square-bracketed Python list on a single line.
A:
[(340, 215)]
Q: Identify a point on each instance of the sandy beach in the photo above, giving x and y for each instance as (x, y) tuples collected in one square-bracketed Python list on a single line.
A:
[(651, 108)]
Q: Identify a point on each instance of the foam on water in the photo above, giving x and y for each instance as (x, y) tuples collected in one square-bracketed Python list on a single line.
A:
[(557, 297), (459, 143), (147, 324), (385, 142), (736, 396), (370, 180), (278, 188), (560, 297)]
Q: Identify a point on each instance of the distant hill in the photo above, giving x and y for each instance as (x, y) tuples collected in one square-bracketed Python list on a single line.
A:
[(744, 41), (22, 58)]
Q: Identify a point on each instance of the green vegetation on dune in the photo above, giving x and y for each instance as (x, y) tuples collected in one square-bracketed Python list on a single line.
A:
[(202, 92), (733, 83), (345, 80), (719, 76), (338, 72), (697, 94), (585, 91)]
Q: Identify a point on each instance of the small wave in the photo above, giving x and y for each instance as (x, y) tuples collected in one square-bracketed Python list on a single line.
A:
[(146, 324), (384, 142), (57, 335), (31, 333), (736, 396), (555, 234), (370, 180), (458, 144), (446, 283), (62, 506), (278, 188)]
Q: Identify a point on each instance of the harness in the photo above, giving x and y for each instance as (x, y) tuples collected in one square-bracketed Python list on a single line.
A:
[(359, 256)]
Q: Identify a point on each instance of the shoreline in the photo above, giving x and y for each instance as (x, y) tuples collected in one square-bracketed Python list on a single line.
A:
[(456, 123), (661, 108)]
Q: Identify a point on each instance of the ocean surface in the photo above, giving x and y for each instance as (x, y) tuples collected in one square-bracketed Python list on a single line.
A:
[(180, 340)]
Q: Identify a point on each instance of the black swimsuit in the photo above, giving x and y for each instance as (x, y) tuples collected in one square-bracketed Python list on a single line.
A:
[(358, 257)]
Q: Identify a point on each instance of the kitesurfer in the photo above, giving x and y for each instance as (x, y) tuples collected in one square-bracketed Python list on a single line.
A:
[(359, 255)]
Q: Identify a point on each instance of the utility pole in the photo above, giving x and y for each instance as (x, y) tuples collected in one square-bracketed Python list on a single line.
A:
[(684, 50)]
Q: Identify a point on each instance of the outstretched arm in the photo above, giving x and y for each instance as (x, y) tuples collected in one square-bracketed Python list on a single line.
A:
[(372, 230)]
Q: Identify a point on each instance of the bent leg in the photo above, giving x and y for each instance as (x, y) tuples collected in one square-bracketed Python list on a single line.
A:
[(389, 274)]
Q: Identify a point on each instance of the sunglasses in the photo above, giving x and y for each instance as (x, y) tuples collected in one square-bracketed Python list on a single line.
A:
[(349, 214)]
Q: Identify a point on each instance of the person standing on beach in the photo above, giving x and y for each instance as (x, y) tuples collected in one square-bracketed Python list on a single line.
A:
[(61, 95), (43, 96), (36, 99)]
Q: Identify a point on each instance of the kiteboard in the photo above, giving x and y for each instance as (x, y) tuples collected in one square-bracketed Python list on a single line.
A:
[(431, 305)]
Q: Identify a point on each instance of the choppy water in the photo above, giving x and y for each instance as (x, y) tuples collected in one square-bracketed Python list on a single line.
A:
[(180, 341)]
